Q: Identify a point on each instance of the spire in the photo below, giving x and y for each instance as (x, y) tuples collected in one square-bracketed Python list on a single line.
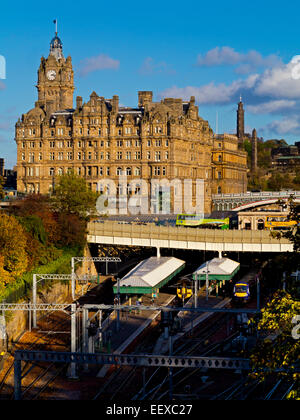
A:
[(56, 45)]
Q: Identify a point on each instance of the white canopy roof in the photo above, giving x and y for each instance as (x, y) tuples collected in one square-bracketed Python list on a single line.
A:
[(150, 272), (218, 266)]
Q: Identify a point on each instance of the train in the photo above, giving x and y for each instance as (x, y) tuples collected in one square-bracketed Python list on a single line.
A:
[(241, 291), (231, 222), (279, 223), (245, 288), (197, 221)]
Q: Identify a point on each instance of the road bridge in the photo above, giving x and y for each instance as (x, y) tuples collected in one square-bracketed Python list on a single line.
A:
[(114, 233), (238, 202)]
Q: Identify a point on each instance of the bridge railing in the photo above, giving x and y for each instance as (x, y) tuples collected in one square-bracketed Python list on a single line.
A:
[(151, 231), (261, 194)]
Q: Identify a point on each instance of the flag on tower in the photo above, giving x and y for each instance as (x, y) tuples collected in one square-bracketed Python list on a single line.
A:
[(55, 23)]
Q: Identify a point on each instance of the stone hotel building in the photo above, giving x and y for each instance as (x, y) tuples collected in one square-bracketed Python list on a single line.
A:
[(100, 139)]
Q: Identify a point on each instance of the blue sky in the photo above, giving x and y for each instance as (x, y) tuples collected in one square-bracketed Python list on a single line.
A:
[(212, 50)]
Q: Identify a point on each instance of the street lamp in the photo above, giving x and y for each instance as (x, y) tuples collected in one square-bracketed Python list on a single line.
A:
[(207, 282)]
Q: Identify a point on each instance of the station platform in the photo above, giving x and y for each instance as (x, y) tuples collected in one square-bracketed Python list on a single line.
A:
[(131, 325)]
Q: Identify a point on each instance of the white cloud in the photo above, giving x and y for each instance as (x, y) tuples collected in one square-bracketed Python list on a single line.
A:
[(279, 83), (288, 125), (218, 57), (208, 94), (212, 93), (271, 107), (227, 56), (273, 90), (100, 62), (150, 67)]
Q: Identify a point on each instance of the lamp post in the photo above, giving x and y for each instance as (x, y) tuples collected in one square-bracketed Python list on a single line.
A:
[(207, 282), (196, 291), (118, 311)]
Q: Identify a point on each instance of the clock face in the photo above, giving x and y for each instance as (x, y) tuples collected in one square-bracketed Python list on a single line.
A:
[(51, 74)]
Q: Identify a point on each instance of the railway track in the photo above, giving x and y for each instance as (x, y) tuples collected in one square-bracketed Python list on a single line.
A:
[(199, 344), (53, 334), (35, 340)]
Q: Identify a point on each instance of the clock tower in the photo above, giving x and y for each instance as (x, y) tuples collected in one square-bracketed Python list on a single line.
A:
[(55, 80)]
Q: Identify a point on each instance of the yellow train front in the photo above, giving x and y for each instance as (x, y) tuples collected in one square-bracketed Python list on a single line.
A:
[(241, 292)]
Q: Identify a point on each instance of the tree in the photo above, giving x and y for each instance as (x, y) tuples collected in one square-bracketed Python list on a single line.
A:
[(2, 194), (278, 356), (72, 196), (34, 225), (293, 234), (38, 205), (12, 249), (72, 230), (296, 180)]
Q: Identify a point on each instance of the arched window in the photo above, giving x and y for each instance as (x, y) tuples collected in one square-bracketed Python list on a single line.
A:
[(137, 171), (128, 171), (247, 224), (260, 224), (219, 190), (119, 171)]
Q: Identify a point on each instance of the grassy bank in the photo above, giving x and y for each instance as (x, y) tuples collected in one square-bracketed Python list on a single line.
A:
[(21, 288)]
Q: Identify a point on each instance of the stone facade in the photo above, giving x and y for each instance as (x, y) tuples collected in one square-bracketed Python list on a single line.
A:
[(229, 166), (255, 220), (101, 139)]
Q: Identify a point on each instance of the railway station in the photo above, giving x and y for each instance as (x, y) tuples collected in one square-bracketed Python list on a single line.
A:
[(217, 272), (148, 253), (149, 276)]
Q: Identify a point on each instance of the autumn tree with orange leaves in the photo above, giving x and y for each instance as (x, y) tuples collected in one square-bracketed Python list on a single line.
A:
[(13, 258)]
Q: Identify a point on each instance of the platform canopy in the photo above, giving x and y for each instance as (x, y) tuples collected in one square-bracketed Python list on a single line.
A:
[(150, 275), (220, 269)]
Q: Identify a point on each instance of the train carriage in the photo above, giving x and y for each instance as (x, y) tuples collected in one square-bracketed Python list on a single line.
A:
[(244, 289), (197, 221), (279, 223)]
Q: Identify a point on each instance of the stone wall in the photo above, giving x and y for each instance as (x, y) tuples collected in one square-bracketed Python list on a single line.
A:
[(18, 321)]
